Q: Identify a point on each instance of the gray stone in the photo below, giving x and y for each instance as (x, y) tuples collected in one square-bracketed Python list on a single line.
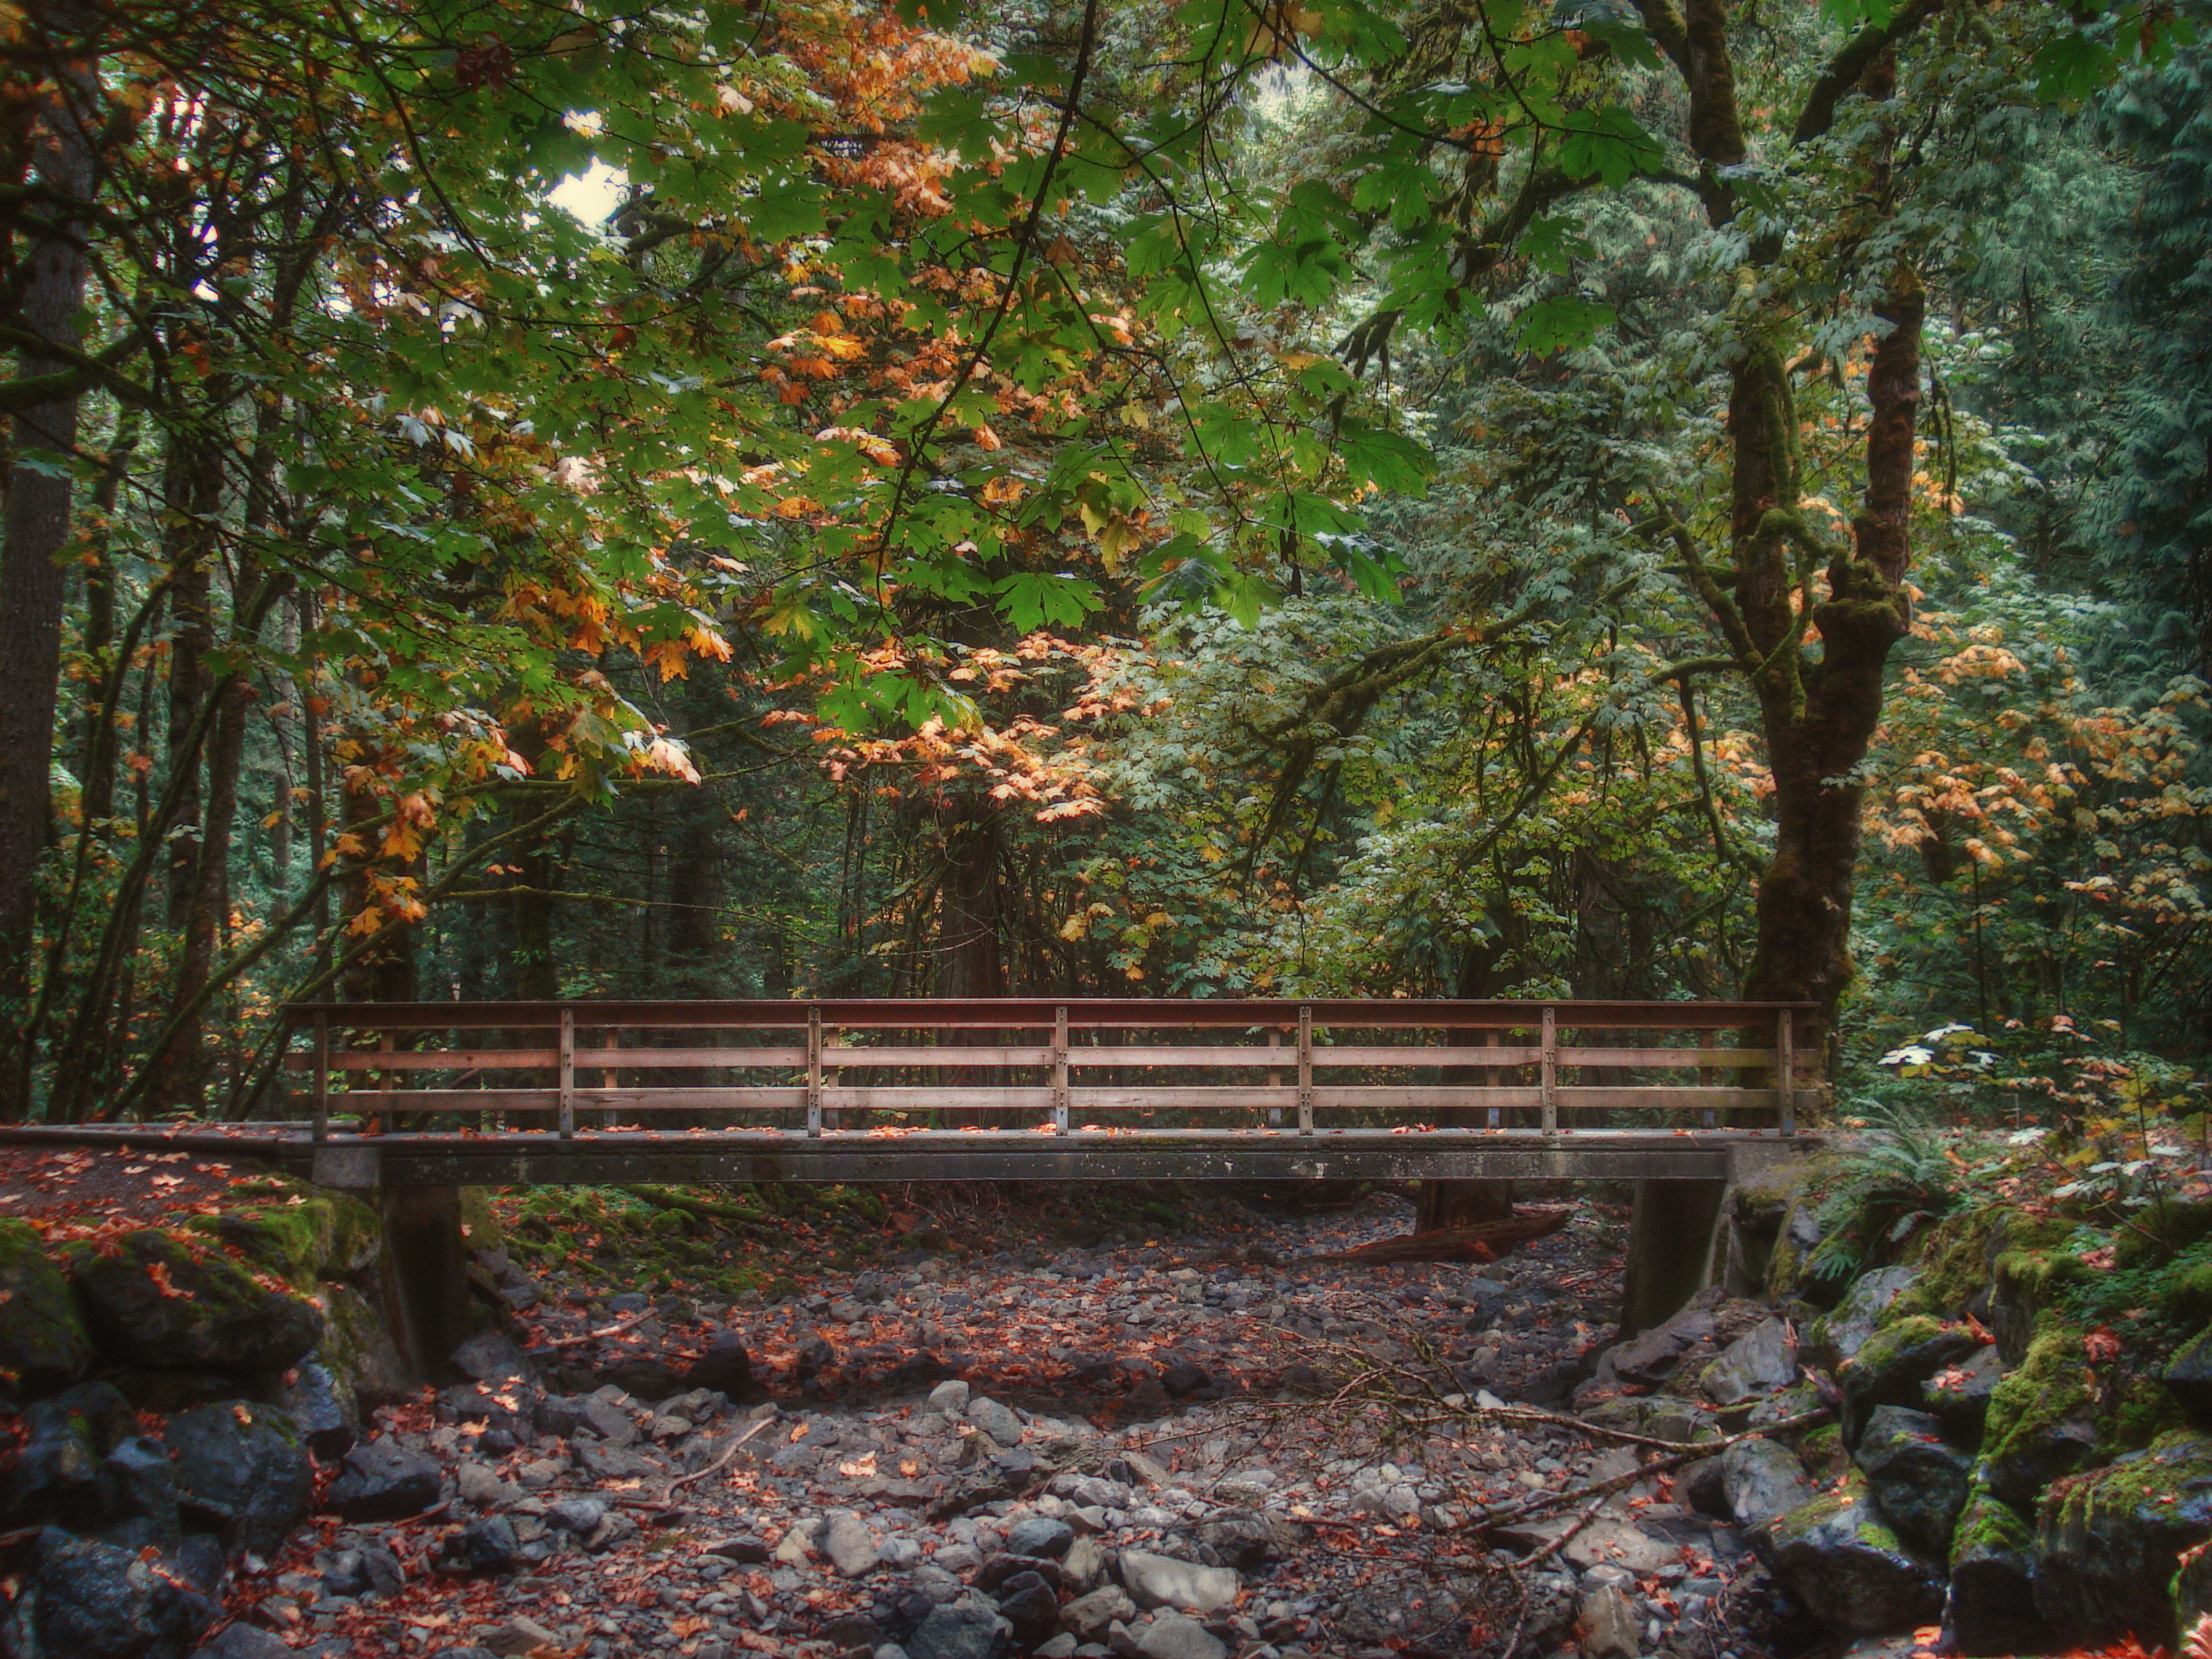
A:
[(1607, 1624), (1028, 1603), (1084, 1564), (1173, 1636), (996, 1420), (1762, 1481), (1760, 1361), (1039, 1534), (1918, 1479), (240, 1641), (1089, 1616), (384, 1481), (965, 1630), (492, 1357), (1161, 1581), (723, 1366), (488, 1543), (1650, 1359), (949, 1399), (474, 1483), (1850, 1570), (1617, 1542), (324, 1405), (1959, 1394), (847, 1541), (1249, 1542), (581, 1515), (520, 1636)]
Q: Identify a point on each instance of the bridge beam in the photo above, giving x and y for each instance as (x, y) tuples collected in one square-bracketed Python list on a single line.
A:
[(422, 1269)]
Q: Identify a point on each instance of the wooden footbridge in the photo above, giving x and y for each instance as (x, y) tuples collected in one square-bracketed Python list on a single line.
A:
[(408, 1102)]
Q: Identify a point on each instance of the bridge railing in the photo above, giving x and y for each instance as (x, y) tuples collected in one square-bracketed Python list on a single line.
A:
[(1062, 1065)]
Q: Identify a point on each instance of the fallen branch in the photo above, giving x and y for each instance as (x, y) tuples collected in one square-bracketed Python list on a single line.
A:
[(1483, 1240), (600, 1335), (723, 1462)]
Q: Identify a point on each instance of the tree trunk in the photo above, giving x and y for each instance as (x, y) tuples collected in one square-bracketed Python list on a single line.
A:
[(99, 744), (36, 530), (969, 964), (192, 493), (1443, 1204)]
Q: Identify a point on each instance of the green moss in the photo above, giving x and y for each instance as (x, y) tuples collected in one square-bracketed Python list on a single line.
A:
[(1822, 1453), (2161, 1231), (1814, 1510), (42, 1334), (1890, 1344), (286, 1242), (2186, 1293), (480, 1224), (2144, 1410), (2053, 1385), (1988, 1527)]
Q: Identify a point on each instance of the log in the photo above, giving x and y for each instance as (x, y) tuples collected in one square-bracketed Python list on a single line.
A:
[(1485, 1241)]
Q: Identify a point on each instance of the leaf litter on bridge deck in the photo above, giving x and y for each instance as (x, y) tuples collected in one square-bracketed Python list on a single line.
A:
[(1150, 1398)]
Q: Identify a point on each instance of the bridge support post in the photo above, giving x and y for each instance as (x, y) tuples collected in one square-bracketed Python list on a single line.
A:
[(1671, 1231), (423, 1272)]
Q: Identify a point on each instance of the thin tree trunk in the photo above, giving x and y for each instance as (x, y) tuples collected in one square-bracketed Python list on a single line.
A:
[(97, 746), (192, 493), (36, 530)]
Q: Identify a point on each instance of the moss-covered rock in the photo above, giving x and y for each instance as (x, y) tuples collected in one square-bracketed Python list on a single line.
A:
[(480, 1224), (1840, 1335), (1894, 1365), (2059, 1413), (359, 1351), (150, 1299), (1822, 1454), (1992, 1605), (1918, 1478), (43, 1340), (301, 1239), (2108, 1542), (1850, 1569), (2025, 1285)]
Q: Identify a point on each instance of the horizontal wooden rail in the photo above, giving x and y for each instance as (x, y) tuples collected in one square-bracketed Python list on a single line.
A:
[(1098, 1058)]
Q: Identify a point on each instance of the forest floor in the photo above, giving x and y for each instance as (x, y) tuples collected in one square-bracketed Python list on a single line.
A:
[(1203, 1406)]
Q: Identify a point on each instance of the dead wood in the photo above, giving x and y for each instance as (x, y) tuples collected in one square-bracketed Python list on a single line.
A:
[(1483, 1241)]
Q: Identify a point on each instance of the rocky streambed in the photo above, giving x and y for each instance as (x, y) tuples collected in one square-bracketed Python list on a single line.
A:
[(1220, 1443)]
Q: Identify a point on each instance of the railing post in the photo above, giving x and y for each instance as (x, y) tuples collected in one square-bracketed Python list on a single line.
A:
[(1060, 1070), (814, 1071), (1305, 1072), (1548, 1084), (568, 1080), (1785, 1064), (384, 1120), (1274, 1079), (322, 1108)]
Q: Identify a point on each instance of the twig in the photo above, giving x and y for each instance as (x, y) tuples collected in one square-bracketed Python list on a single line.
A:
[(600, 1336), (731, 1451)]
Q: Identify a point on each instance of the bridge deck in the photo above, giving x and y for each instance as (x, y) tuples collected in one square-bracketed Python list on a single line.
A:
[(590, 1156)]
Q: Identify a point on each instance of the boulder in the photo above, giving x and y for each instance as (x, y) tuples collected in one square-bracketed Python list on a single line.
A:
[(1029, 1604), (1960, 1393), (1761, 1482), (383, 1481), (1650, 1359), (1991, 1608), (87, 1599), (1918, 1478), (2041, 1423), (360, 1351), (995, 1420), (723, 1365), (1249, 1542), (43, 1340), (322, 1406), (241, 1470), (48, 1474), (135, 1498), (488, 1543), (1161, 1581), (1607, 1623), (1851, 1326), (1040, 1535), (849, 1545), (1894, 1365), (1850, 1569), (2108, 1542), (152, 1299), (1760, 1362), (963, 1630), (491, 1357)]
